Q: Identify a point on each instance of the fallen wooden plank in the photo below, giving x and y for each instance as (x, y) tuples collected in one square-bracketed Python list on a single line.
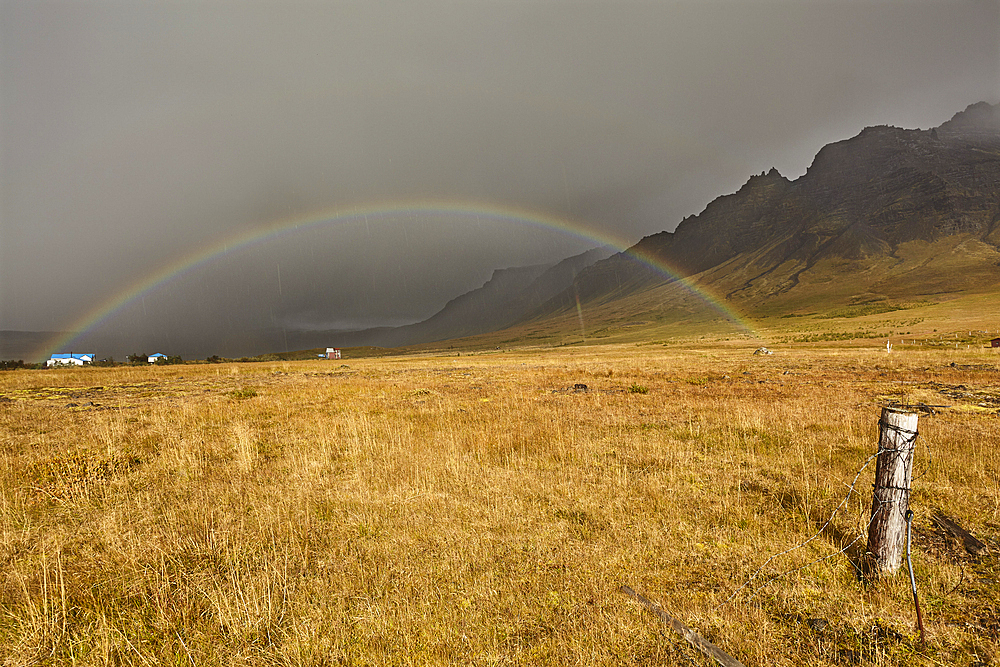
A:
[(951, 527), (692, 637)]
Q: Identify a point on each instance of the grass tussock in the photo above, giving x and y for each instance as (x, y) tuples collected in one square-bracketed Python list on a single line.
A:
[(481, 510)]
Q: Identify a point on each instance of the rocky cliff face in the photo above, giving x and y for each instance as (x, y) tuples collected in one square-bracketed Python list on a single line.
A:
[(861, 198)]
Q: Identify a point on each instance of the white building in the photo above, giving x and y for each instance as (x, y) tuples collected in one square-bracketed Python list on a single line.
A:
[(70, 359), (153, 357)]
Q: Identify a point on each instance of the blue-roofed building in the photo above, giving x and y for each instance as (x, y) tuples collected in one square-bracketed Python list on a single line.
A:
[(70, 359), (153, 358)]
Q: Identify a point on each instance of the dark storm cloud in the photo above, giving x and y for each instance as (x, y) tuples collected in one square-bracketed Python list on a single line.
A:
[(133, 133)]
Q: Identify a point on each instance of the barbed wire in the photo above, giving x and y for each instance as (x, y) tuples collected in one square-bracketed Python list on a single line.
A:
[(907, 445), (930, 411), (850, 492)]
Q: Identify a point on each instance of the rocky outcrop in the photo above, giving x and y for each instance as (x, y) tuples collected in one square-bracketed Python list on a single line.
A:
[(979, 123)]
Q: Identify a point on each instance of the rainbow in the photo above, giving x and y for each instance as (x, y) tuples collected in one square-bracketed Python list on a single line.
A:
[(106, 309)]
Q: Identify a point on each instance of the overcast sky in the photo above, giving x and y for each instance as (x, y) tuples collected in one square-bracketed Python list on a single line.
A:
[(133, 134)]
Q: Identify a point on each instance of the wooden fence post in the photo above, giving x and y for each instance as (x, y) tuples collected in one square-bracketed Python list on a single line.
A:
[(891, 498)]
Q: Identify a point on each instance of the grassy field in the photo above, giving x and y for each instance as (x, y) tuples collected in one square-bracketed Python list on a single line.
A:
[(482, 508)]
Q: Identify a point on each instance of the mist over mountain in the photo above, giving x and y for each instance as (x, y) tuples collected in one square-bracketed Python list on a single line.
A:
[(508, 297), (916, 199)]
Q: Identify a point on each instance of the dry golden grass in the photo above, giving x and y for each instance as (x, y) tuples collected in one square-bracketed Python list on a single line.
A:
[(476, 509)]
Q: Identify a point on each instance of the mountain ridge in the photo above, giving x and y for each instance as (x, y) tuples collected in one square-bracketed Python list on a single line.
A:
[(505, 299), (889, 211), (861, 199)]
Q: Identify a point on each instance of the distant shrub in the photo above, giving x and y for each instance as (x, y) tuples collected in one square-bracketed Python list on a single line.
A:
[(836, 335), (638, 389), (12, 365), (168, 361), (261, 357), (873, 308), (240, 394)]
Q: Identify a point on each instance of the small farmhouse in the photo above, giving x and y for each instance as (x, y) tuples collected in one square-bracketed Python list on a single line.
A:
[(333, 353), (153, 357), (70, 359)]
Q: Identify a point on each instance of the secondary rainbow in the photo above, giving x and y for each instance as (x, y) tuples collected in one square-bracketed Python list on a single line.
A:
[(342, 215)]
